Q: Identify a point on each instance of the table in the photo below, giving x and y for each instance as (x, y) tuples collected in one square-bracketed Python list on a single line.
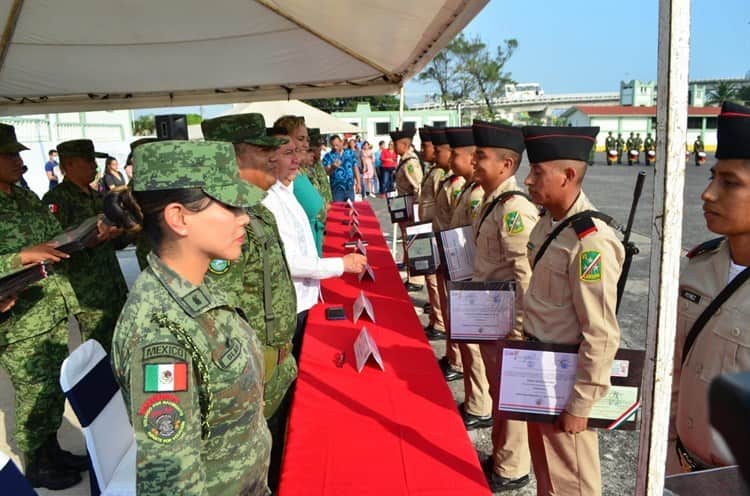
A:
[(385, 433)]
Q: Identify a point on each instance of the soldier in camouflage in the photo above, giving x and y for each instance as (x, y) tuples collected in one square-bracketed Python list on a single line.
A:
[(94, 272), (190, 367), (34, 332), (318, 175)]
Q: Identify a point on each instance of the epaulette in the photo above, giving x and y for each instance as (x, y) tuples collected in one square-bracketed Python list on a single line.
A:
[(454, 178), (475, 186), (702, 248), (445, 180), (583, 226)]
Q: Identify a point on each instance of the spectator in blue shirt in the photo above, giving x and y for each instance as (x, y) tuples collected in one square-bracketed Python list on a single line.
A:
[(342, 170), (49, 168), (378, 167)]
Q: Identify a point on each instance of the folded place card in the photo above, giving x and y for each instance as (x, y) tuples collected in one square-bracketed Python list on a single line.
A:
[(363, 303), (364, 347), (367, 273)]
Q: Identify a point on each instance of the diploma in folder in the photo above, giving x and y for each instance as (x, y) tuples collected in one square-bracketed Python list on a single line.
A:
[(77, 238), (13, 282), (456, 247), (421, 249), (401, 208), (537, 379)]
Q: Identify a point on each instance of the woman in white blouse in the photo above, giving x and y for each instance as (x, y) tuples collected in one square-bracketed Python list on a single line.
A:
[(299, 246)]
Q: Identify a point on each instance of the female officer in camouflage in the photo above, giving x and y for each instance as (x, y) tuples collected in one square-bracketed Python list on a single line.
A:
[(34, 333), (190, 366)]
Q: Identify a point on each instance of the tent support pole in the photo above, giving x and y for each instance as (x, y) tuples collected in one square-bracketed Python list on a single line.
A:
[(394, 237), (666, 237), (9, 29)]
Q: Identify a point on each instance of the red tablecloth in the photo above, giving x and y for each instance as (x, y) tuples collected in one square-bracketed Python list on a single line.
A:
[(387, 433)]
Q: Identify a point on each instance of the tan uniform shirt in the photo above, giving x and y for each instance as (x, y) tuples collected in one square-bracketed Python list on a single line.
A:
[(409, 175), (502, 240), (467, 208), (723, 346), (429, 192), (448, 192), (572, 298)]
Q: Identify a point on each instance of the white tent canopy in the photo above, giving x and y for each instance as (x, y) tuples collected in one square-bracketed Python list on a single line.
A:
[(75, 55)]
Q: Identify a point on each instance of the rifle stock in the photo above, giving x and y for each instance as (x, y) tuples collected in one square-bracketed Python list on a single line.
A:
[(630, 249)]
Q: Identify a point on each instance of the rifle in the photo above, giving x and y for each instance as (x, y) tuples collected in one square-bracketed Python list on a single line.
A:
[(630, 249)]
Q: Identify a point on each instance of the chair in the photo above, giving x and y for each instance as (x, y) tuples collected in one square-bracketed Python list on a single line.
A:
[(12, 480), (88, 382)]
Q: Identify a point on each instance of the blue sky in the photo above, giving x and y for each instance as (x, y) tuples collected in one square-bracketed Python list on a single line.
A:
[(576, 46)]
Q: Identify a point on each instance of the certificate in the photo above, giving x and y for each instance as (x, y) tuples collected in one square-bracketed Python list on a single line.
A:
[(481, 311), (456, 247), (401, 208), (421, 249), (536, 381)]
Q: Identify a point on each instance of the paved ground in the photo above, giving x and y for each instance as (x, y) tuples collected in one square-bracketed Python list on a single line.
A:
[(610, 189)]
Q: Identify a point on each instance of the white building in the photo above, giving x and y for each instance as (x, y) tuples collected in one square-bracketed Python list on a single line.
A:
[(111, 132), (626, 119)]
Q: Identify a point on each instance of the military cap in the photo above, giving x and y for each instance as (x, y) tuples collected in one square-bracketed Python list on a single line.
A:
[(78, 148), (398, 134), (438, 136), (208, 165), (141, 141), (425, 134), (733, 131), (8, 141), (315, 137), (496, 135), (545, 143), (240, 128), (460, 136)]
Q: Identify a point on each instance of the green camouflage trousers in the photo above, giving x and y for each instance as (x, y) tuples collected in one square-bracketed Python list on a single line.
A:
[(34, 368), (278, 384), (99, 325)]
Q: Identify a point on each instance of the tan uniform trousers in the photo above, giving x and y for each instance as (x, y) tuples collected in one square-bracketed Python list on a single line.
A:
[(564, 464), (451, 347), (510, 440), (436, 313), (477, 399)]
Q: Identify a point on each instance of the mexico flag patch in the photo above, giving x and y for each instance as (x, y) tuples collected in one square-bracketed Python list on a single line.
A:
[(590, 266), (165, 377)]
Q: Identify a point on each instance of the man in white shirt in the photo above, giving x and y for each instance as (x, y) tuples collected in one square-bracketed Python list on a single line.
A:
[(306, 267)]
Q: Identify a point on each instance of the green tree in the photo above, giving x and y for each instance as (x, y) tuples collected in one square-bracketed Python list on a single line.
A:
[(440, 72), (723, 92), (378, 102), (743, 94), (144, 125), (193, 119), (482, 70)]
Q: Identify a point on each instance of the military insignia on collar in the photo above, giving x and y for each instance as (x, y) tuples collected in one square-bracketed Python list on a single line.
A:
[(513, 222), (164, 377), (219, 266), (590, 266), (163, 418), (53, 208)]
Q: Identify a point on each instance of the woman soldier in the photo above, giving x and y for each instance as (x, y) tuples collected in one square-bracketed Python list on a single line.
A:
[(189, 364)]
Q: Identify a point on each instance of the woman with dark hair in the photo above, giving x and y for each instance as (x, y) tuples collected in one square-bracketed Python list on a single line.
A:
[(189, 365), (112, 177)]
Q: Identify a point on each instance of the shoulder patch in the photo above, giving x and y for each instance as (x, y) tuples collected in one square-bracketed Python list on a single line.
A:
[(219, 266), (409, 167), (584, 226), (163, 418), (158, 350), (706, 247), (513, 222), (590, 266), (164, 377)]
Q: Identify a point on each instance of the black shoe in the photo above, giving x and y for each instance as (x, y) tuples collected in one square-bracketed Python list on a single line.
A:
[(498, 483), (411, 287), (42, 472), (65, 458), (452, 375), (433, 334), (472, 422), (443, 363), (427, 308)]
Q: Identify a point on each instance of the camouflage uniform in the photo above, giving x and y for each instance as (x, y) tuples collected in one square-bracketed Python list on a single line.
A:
[(321, 182), (34, 333), (244, 283), (190, 367), (94, 272)]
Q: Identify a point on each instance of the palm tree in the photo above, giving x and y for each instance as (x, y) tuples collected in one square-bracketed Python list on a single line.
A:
[(723, 92)]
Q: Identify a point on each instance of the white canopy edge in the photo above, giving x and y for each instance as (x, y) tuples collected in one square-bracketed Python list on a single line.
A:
[(51, 54)]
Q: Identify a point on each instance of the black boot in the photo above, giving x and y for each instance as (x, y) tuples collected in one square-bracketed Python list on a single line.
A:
[(41, 471), (65, 458)]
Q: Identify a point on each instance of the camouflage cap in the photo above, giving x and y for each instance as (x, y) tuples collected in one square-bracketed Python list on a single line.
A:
[(240, 128), (8, 141), (208, 165), (315, 137), (78, 148)]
